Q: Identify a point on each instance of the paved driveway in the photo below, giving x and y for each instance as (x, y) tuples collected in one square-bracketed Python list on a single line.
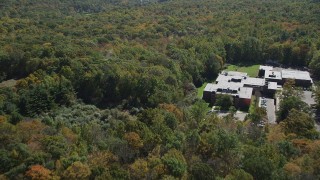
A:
[(307, 98)]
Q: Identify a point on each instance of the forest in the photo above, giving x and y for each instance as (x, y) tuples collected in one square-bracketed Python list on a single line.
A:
[(107, 89)]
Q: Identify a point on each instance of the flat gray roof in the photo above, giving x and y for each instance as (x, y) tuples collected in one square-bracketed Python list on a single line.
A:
[(254, 81), (245, 92), (273, 85), (225, 78), (266, 68), (210, 87), (295, 74), (272, 75), (225, 82), (222, 77), (229, 85)]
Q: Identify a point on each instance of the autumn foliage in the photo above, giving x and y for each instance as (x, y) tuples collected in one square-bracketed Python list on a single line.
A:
[(38, 172), (110, 89)]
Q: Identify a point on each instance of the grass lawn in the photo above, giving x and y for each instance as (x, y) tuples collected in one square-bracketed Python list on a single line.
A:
[(251, 70), (200, 90)]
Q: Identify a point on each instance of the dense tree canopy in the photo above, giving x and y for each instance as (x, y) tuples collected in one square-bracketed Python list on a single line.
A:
[(106, 89)]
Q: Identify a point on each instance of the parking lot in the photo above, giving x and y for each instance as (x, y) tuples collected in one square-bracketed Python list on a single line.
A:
[(239, 115), (270, 107), (308, 98)]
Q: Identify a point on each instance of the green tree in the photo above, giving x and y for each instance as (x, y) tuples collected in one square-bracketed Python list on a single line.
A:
[(260, 162), (224, 101), (6, 161), (300, 123), (289, 103), (55, 145), (212, 66), (198, 110), (139, 169), (118, 172), (239, 174), (258, 115), (201, 171), (287, 149), (315, 64), (35, 101), (316, 94), (251, 50), (77, 170), (175, 162), (171, 120), (223, 143)]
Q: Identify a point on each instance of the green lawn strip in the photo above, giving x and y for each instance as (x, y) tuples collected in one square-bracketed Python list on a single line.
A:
[(253, 105), (251, 70), (200, 90)]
